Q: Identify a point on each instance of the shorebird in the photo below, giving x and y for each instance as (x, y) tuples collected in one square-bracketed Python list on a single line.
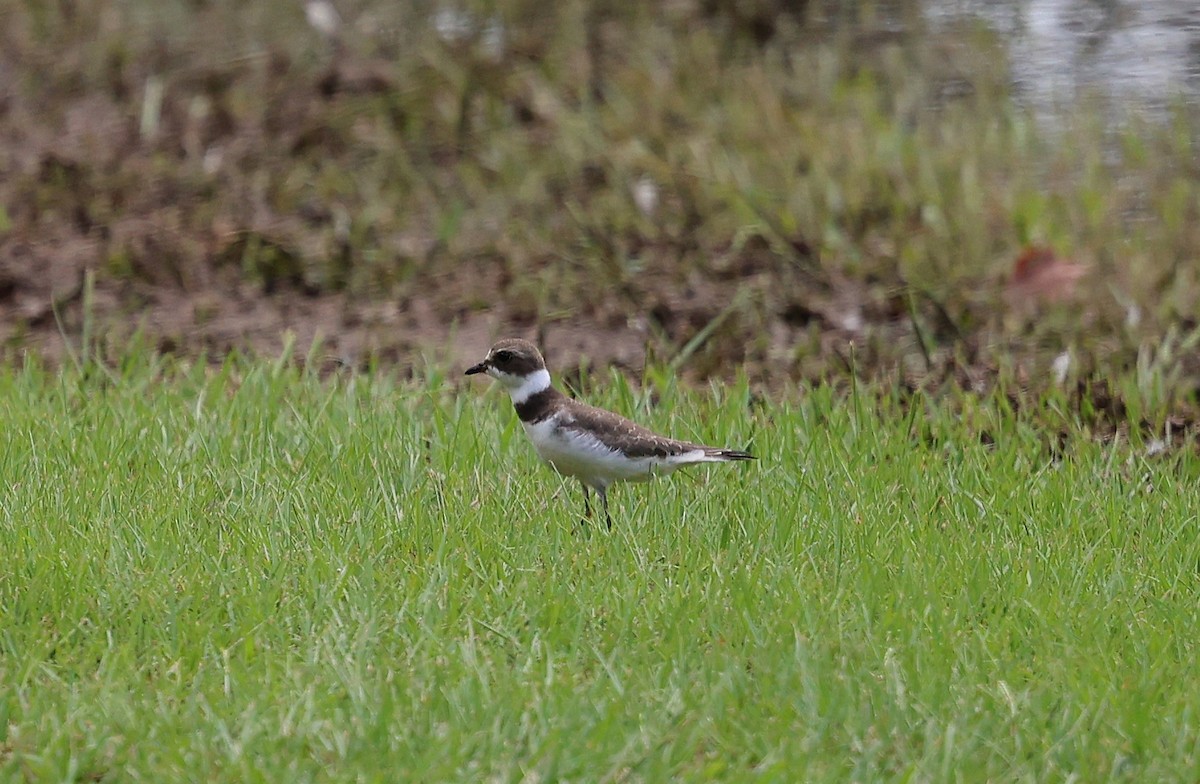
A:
[(595, 446)]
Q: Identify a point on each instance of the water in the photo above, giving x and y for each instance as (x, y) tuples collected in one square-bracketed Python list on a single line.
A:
[(1131, 58), (1143, 55), (1140, 56)]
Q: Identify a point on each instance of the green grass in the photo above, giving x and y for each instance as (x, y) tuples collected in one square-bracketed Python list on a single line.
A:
[(252, 575)]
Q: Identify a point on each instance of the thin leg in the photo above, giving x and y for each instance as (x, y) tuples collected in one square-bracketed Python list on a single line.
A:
[(587, 504), (603, 493)]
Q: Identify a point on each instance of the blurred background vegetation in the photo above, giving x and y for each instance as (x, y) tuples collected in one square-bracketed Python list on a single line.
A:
[(803, 190)]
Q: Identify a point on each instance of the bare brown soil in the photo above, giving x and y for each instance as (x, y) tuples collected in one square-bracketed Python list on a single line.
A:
[(112, 232), (48, 305), (178, 233)]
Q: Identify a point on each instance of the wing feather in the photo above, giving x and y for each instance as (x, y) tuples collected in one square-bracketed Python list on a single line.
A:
[(617, 432)]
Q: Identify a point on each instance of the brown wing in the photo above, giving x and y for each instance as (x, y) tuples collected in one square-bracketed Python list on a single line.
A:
[(617, 432)]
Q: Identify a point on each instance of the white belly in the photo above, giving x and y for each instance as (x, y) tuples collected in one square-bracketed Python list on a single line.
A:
[(583, 456)]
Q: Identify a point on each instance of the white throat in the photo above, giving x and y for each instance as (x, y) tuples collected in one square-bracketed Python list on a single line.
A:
[(537, 381)]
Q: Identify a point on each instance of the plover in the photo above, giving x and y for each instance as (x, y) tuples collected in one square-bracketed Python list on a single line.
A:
[(595, 446)]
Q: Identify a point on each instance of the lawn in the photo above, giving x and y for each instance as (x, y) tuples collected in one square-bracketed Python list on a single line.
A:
[(247, 573)]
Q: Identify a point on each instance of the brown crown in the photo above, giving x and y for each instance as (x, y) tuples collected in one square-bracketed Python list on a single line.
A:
[(515, 356)]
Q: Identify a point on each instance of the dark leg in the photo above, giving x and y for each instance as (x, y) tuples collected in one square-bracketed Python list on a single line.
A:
[(603, 493), (587, 504)]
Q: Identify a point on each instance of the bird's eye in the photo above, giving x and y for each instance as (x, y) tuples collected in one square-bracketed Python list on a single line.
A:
[(502, 356)]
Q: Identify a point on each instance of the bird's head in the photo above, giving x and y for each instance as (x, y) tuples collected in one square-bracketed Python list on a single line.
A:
[(517, 365)]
